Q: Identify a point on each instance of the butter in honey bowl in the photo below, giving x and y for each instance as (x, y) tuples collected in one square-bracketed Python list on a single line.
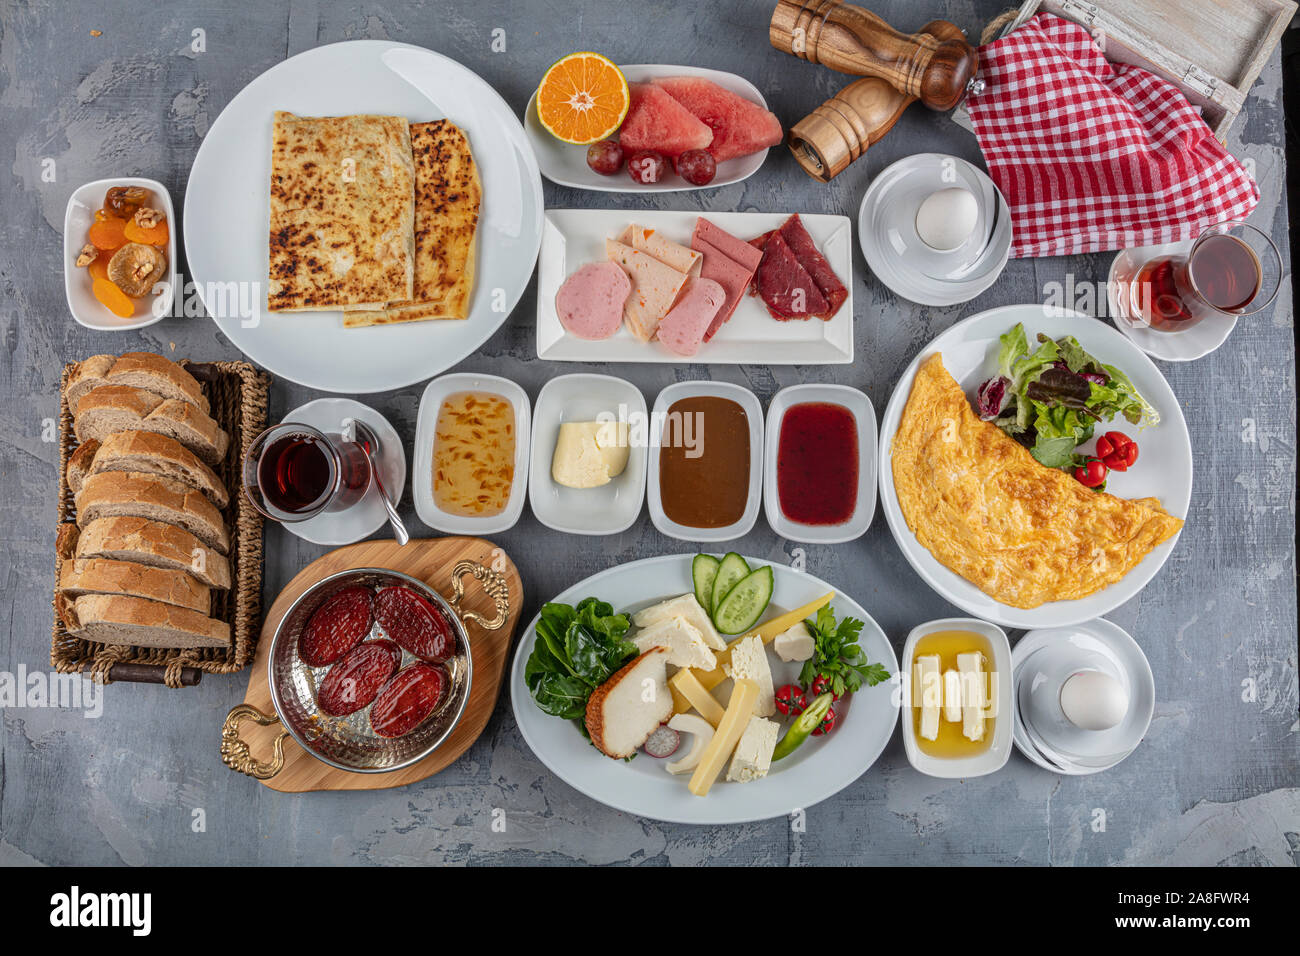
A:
[(954, 693)]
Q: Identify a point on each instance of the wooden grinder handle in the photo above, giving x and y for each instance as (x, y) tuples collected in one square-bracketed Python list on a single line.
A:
[(839, 131), (850, 39)]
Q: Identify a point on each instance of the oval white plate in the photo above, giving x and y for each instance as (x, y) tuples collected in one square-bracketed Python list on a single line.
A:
[(566, 164), (817, 770), (422, 468), (1185, 345), (1164, 471), (583, 397), (865, 416), (227, 209)]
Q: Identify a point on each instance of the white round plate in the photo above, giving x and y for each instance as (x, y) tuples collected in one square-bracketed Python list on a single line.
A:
[(820, 768), (227, 209), (1164, 471), (1124, 655), (368, 515), (1185, 345), (566, 164)]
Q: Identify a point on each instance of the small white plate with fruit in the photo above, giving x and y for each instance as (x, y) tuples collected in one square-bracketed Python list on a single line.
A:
[(664, 128)]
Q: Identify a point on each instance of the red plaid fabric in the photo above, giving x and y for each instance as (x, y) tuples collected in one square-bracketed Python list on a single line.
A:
[(1093, 156)]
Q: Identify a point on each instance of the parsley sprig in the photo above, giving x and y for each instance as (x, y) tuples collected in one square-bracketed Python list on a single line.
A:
[(838, 656)]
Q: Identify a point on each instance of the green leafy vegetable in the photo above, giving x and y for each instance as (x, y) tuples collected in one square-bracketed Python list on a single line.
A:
[(577, 650), (837, 655)]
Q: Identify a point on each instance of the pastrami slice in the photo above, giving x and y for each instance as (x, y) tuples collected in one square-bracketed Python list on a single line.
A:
[(815, 264), (786, 287)]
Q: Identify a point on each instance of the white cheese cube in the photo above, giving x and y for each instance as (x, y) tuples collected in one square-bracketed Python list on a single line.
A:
[(749, 660), (689, 610), (753, 756), (796, 644), (928, 694), (686, 647), (970, 666), (952, 696)]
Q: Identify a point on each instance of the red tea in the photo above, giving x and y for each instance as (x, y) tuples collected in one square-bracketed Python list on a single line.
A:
[(1222, 272), (296, 473)]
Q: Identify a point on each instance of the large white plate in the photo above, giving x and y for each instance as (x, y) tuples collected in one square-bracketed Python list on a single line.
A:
[(227, 213), (1164, 470), (573, 237), (817, 770), (566, 164)]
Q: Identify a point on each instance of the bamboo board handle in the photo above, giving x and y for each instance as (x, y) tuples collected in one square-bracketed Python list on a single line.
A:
[(853, 40)]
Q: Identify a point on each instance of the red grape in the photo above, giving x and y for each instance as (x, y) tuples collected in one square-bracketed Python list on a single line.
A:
[(605, 157), (697, 167), (647, 166)]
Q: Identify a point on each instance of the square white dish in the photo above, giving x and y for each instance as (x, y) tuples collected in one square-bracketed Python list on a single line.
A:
[(995, 757), (864, 415), (77, 219), (566, 164), (583, 397), (422, 460), (574, 237), (754, 412)]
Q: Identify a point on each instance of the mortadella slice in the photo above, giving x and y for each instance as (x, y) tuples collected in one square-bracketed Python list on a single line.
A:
[(590, 302), (682, 329), (734, 249), (731, 275), (654, 288)]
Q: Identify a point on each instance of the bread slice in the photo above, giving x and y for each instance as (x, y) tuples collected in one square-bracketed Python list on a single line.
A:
[(85, 375), (147, 542), (79, 463), (105, 576), (116, 493), (117, 619), (619, 717), (117, 408), (155, 454), (159, 375)]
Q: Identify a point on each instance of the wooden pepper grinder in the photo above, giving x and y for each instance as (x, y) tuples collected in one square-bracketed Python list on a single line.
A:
[(839, 131), (850, 39)]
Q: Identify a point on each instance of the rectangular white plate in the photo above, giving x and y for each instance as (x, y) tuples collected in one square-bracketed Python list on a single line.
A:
[(574, 237)]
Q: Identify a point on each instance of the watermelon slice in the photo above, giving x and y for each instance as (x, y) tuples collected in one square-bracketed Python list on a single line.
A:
[(740, 126), (657, 121)]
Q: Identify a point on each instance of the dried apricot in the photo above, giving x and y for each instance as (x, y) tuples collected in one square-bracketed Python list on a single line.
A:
[(155, 235), (114, 299), (99, 268), (108, 234)]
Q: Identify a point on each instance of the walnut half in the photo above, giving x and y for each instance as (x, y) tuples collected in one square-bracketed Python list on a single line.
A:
[(87, 255), (147, 218)]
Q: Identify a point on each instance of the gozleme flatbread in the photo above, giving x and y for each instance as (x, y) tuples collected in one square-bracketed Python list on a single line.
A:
[(342, 213), (654, 288), (447, 198), (1022, 533)]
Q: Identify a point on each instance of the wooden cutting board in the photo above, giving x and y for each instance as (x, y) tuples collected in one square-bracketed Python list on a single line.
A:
[(430, 560)]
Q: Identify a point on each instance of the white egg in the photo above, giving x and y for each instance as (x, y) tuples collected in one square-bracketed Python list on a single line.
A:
[(1093, 700), (946, 218)]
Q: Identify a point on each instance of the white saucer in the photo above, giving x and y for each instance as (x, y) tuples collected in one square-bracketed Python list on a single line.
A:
[(1186, 345), (368, 515), (1098, 645)]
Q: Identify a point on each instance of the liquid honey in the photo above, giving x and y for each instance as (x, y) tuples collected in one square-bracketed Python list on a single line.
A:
[(951, 742)]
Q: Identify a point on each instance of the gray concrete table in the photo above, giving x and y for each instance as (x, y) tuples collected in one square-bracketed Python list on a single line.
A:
[(116, 88)]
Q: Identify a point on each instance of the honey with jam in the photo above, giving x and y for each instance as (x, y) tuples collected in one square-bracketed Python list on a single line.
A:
[(951, 740)]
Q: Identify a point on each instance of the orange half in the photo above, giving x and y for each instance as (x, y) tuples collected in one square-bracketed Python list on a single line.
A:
[(582, 98)]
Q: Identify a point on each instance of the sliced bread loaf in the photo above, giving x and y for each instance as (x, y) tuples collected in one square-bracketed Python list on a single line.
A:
[(105, 576), (115, 493), (117, 619), (155, 454), (85, 375), (145, 370), (117, 408), (79, 463), (152, 543)]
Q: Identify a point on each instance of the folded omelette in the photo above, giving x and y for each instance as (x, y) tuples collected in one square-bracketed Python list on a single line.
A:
[(1022, 533)]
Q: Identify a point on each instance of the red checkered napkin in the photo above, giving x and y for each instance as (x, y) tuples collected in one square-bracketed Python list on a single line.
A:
[(1091, 155)]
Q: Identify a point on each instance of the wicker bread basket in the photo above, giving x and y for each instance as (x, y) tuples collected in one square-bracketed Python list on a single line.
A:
[(237, 393)]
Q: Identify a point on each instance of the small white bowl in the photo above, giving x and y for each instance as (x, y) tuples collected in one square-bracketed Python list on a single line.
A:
[(83, 305), (422, 461), (584, 397), (995, 756), (754, 411), (864, 415)]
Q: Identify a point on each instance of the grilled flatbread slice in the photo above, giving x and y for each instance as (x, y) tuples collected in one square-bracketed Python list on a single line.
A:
[(1022, 533), (447, 198), (342, 212)]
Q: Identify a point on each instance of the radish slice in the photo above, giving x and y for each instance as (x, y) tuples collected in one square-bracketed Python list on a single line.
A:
[(663, 742), (701, 732)]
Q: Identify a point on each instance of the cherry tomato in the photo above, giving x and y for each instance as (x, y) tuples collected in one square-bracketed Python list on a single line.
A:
[(827, 724), (790, 700), (822, 685), (1092, 473), (1117, 450)]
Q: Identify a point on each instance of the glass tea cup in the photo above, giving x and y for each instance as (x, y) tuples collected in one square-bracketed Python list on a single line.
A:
[(293, 472), (1232, 269)]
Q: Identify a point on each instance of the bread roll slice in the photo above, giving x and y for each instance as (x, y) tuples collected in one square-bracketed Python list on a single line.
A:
[(116, 493), (159, 375), (106, 576), (119, 408), (155, 454), (117, 619), (85, 375), (79, 463), (148, 542)]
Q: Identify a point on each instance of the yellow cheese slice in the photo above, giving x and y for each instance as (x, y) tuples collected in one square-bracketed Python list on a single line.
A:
[(739, 709), (685, 682)]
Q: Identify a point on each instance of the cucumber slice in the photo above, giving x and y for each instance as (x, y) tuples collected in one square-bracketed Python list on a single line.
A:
[(703, 570), (730, 571), (746, 602)]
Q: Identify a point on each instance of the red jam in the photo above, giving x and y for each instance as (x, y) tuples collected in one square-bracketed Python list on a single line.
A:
[(817, 464)]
